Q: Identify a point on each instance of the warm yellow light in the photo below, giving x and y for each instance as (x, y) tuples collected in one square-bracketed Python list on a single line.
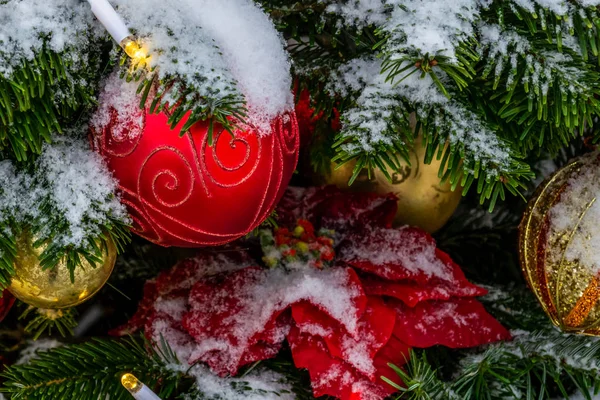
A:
[(135, 51), (131, 383)]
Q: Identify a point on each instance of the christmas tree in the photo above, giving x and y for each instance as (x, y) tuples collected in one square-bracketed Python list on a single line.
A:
[(281, 199)]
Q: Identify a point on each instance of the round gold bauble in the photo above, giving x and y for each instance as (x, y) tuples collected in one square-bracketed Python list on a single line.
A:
[(423, 200), (52, 288), (567, 289)]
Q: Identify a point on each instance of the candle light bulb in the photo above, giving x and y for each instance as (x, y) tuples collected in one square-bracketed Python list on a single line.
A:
[(134, 50), (138, 390), (115, 25)]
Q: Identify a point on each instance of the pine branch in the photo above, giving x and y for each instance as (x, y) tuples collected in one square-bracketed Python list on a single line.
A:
[(93, 250), (555, 25), (38, 97), (542, 97), (47, 320), (420, 381), (540, 365), (181, 99), (91, 371), (8, 253)]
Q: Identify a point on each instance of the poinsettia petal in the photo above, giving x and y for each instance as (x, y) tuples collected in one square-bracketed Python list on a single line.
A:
[(300, 203), (403, 254), (458, 323), (331, 208), (331, 376), (230, 313), (187, 272), (178, 280), (374, 330), (355, 211), (412, 293), (311, 320)]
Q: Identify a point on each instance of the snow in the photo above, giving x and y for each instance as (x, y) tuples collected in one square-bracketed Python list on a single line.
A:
[(542, 68), (582, 190), (29, 352), (254, 53), (414, 254), (263, 295), (257, 385), (433, 27), (119, 97), (552, 344), (27, 25), (72, 180), (379, 100), (80, 187), (219, 46)]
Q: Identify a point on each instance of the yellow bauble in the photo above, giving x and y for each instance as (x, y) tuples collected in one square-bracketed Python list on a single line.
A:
[(423, 200), (52, 288), (558, 246)]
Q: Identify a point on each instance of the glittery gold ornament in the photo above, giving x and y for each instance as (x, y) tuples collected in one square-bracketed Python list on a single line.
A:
[(52, 288), (423, 200), (556, 249)]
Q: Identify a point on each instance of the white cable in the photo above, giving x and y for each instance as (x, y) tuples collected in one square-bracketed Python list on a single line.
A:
[(112, 21)]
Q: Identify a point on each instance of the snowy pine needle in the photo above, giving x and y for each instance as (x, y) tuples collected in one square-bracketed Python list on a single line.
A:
[(68, 201)]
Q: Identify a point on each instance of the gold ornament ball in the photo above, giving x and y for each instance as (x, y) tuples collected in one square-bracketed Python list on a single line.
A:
[(52, 288), (423, 200), (567, 287)]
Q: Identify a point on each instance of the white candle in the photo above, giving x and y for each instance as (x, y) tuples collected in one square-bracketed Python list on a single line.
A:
[(107, 15), (138, 390)]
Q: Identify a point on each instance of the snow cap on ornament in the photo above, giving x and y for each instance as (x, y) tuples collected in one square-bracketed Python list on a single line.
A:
[(559, 242), (179, 189)]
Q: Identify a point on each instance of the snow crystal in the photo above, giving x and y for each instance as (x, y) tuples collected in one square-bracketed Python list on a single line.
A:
[(69, 178), (417, 257), (254, 52), (257, 385), (581, 396), (80, 187), (336, 375), (120, 97), (273, 291), (559, 7), (216, 45), (552, 344), (28, 25), (431, 27), (581, 191), (353, 76), (30, 351), (357, 353), (368, 122)]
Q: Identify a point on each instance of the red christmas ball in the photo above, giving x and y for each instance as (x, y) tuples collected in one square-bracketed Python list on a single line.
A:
[(182, 192)]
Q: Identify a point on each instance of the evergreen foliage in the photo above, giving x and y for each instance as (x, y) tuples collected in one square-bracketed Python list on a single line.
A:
[(525, 79), (540, 365), (91, 371), (534, 88)]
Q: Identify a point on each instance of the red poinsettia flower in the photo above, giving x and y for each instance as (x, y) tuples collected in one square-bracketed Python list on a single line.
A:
[(6, 302), (386, 291)]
